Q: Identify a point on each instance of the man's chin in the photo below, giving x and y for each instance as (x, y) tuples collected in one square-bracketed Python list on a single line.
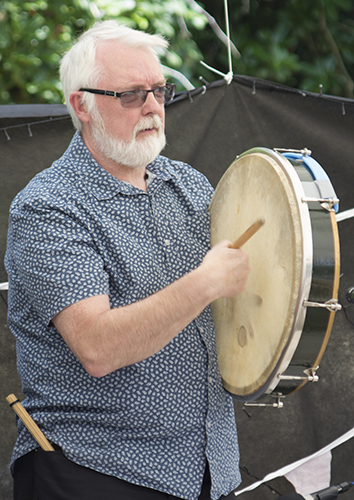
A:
[(150, 147), (140, 159), (136, 154)]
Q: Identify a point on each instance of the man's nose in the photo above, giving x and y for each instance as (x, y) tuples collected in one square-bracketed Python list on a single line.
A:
[(151, 105)]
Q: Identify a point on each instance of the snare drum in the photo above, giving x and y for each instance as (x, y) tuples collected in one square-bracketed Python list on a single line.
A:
[(271, 337)]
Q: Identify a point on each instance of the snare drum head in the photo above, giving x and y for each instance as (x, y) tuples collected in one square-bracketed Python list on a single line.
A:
[(254, 327)]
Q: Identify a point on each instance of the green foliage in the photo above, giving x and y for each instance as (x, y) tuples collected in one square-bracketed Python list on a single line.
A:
[(296, 43), (302, 44), (32, 37)]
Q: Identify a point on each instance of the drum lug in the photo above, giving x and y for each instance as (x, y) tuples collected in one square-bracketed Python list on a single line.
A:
[(332, 305), (277, 404), (326, 203), (310, 375)]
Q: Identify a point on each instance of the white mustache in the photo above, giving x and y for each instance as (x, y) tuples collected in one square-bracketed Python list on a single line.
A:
[(147, 123)]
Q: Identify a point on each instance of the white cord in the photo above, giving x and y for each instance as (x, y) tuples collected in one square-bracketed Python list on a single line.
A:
[(213, 69), (230, 73), (178, 76), (229, 76)]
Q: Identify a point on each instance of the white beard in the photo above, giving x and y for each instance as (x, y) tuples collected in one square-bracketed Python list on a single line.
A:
[(134, 153)]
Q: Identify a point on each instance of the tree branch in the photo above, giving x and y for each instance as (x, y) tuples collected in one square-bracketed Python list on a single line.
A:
[(335, 51)]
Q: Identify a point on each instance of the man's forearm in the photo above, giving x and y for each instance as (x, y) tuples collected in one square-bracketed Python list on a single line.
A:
[(106, 339)]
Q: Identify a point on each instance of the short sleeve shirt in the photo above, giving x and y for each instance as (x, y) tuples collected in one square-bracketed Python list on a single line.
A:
[(76, 231)]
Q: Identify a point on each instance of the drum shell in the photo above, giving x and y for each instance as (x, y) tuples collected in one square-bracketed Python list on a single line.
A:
[(324, 287)]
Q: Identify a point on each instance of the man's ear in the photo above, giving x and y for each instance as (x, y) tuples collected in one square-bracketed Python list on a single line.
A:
[(79, 107)]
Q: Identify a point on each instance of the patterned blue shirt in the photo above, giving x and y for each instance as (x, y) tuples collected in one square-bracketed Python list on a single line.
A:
[(76, 231)]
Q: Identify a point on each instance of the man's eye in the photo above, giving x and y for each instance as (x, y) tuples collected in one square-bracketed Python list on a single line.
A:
[(132, 94), (160, 91)]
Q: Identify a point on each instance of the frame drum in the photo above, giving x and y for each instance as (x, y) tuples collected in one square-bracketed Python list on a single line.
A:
[(271, 337)]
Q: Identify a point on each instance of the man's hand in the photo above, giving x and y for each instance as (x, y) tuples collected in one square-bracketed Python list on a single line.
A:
[(226, 268)]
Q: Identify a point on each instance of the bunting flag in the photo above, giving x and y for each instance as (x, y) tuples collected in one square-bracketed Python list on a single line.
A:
[(299, 472)]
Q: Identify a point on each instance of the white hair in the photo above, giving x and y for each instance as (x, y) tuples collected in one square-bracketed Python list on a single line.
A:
[(79, 67)]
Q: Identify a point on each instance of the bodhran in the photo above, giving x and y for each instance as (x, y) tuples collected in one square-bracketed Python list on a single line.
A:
[(271, 337)]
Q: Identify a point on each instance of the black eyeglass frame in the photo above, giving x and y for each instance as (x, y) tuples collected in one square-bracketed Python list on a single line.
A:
[(141, 94)]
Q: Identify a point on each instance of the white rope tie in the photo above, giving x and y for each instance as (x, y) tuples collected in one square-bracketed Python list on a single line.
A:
[(230, 74)]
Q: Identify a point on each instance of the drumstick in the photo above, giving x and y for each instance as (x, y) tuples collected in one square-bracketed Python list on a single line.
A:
[(248, 233), (29, 423)]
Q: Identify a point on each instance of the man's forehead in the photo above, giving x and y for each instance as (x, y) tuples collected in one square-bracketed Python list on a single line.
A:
[(113, 52), (127, 64)]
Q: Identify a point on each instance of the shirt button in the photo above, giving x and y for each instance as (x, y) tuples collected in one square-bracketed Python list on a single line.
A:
[(167, 242), (210, 380), (209, 425)]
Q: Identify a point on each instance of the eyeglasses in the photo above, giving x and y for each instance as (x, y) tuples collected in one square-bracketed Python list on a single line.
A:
[(136, 98)]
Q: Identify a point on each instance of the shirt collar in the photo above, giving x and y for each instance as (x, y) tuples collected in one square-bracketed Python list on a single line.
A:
[(102, 184)]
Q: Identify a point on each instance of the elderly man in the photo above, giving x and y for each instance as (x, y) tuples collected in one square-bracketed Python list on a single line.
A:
[(110, 281)]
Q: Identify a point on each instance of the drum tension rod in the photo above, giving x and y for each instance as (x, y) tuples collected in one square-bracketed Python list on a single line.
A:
[(332, 305), (326, 203), (277, 404), (303, 152), (310, 375)]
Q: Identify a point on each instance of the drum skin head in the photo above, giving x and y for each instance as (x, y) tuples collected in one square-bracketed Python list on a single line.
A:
[(254, 327)]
